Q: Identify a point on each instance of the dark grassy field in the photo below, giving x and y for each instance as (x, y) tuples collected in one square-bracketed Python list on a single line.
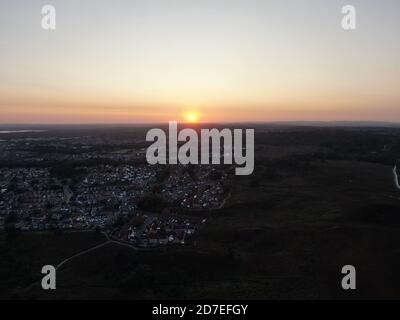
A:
[(23, 257)]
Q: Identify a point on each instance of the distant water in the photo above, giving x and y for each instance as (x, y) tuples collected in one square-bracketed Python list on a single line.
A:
[(20, 131)]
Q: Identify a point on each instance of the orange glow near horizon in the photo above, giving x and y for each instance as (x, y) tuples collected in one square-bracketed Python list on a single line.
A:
[(192, 117)]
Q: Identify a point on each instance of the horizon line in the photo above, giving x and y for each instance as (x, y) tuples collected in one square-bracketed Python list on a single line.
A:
[(280, 122)]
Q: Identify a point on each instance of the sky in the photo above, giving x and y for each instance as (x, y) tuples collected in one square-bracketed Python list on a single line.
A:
[(129, 61)]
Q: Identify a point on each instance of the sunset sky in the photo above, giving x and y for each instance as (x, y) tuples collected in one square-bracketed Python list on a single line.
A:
[(221, 60)]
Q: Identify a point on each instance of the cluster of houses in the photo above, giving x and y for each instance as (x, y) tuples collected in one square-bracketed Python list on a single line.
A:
[(23, 191), (161, 231), (25, 195), (107, 175), (195, 190), (102, 194)]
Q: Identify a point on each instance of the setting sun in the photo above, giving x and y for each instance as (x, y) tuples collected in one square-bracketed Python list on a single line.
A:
[(192, 117)]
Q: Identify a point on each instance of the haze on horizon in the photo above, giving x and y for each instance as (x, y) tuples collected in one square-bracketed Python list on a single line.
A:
[(127, 61)]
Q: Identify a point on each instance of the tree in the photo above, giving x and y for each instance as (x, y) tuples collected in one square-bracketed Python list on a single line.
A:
[(11, 231), (152, 202)]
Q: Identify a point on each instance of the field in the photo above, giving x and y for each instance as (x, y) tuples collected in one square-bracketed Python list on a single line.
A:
[(23, 257)]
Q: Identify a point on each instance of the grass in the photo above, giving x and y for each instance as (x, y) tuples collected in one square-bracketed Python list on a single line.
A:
[(23, 257)]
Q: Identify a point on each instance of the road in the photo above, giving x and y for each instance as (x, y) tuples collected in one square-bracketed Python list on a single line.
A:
[(82, 253), (109, 240)]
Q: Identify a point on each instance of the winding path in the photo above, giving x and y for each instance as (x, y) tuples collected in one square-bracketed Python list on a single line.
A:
[(82, 253), (109, 240)]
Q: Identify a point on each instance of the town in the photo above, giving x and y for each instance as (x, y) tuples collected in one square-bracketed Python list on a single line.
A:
[(91, 183)]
